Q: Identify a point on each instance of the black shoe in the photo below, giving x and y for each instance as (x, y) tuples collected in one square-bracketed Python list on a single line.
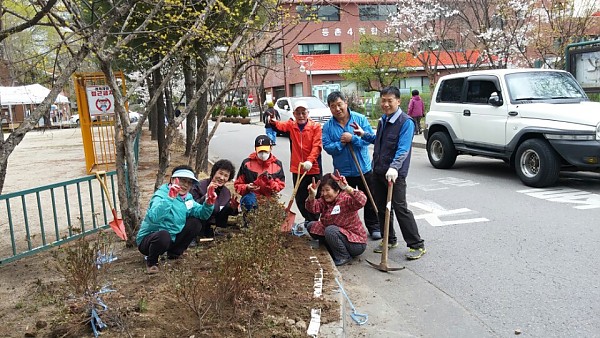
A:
[(343, 261)]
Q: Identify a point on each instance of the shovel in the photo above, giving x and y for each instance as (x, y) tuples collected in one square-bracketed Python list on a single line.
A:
[(116, 224), (363, 177), (382, 266), (290, 217)]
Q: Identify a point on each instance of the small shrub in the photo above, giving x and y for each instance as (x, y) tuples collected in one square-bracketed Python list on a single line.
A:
[(246, 264), (189, 290), (244, 112), (78, 263)]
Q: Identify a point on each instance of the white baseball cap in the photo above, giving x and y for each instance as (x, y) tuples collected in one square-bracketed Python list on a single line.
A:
[(184, 173)]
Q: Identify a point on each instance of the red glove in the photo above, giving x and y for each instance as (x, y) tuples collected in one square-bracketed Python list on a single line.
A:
[(234, 203), (357, 129), (211, 195), (174, 188), (340, 180), (262, 182)]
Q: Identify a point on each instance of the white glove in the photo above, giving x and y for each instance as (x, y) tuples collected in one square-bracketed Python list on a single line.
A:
[(391, 174), (307, 165)]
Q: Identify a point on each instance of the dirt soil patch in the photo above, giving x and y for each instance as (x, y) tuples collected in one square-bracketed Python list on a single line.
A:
[(37, 301)]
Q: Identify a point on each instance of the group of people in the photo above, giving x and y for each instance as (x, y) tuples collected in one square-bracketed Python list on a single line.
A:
[(186, 208)]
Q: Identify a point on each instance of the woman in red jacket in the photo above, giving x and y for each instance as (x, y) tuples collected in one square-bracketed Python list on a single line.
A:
[(340, 226)]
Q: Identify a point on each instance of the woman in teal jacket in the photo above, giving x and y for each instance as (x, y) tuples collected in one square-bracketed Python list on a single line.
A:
[(164, 228)]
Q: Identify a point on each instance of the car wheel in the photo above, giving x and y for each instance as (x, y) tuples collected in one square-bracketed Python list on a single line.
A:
[(441, 151), (537, 164)]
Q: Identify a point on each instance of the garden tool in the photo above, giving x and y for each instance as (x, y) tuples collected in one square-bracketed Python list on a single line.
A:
[(363, 177), (290, 217), (383, 266), (359, 318), (116, 224)]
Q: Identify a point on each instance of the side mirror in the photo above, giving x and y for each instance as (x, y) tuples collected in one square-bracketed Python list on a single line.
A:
[(495, 100)]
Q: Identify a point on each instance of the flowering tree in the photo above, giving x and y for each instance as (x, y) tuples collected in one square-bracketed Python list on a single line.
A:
[(425, 29), (559, 23)]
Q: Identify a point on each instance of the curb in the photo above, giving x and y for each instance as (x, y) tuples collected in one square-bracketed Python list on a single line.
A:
[(335, 328)]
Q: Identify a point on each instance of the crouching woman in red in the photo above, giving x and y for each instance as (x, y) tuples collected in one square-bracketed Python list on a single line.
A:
[(340, 226)]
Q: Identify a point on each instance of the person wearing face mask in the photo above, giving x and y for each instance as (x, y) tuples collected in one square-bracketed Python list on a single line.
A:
[(261, 174), (164, 227), (226, 205), (306, 144), (340, 227)]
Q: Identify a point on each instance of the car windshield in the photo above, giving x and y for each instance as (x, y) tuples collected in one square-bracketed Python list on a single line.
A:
[(528, 86), (312, 102)]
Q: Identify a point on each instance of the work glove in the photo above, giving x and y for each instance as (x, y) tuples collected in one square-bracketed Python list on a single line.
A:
[(340, 180), (174, 188), (357, 129), (234, 203), (391, 174), (313, 187), (211, 195), (307, 165)]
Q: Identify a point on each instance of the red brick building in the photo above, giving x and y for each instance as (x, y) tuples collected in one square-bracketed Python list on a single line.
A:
[(314, 51)]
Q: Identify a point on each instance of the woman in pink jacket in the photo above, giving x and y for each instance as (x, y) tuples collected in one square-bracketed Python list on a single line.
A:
[(416, 109), (339, 226)]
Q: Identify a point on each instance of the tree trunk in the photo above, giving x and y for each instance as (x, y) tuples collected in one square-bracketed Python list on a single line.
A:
[(163, 150), (190, 88), (202, 110), (125, 163), (152, 114)]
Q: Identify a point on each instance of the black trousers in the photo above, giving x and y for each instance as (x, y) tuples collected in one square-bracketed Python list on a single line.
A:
[(220, 220), (157, 243), (370, 216), (405, 218), (302, 195)]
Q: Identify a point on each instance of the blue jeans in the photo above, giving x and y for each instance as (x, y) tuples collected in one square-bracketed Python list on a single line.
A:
[(272, 135), (249, 201)]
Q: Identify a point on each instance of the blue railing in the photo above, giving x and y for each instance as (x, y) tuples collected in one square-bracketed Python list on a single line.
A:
[(37, 219)]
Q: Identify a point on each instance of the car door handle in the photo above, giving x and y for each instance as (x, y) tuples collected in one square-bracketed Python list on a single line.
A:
[(466, 112), (513, 113)]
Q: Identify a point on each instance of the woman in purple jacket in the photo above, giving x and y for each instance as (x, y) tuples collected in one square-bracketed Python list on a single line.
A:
[(416, 109), (222, 172)]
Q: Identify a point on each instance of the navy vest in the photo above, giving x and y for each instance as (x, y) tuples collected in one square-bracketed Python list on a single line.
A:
[(386, 144)]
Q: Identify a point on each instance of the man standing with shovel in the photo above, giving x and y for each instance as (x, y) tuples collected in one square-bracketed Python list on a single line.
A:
[(350, 153), (391, 159)]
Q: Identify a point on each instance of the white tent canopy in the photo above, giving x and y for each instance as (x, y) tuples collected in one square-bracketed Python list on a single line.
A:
[(30, 94)]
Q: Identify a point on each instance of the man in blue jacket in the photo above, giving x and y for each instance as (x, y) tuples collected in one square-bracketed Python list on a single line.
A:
[(338, 137), (391, 159)]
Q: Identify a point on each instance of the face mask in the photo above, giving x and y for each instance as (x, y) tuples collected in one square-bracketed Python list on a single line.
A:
[(263, 155)]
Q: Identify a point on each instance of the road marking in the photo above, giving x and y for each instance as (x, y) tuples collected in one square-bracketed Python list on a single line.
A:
[(435, 211), (584, 200), (445, 182)]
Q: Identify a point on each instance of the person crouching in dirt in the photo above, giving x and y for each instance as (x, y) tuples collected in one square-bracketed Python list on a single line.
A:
[(164, 227), (222, 172), (261, 174), (340, 226)]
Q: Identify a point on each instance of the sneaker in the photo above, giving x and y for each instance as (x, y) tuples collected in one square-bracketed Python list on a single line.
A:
[(376, 235), (152, 269), (415, 253), (379, 248)]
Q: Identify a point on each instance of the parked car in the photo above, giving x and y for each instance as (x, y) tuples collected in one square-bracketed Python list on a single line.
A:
[(318, 111), (539, 121), (75, 119)]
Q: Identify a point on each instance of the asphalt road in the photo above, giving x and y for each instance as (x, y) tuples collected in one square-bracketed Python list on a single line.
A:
[(502, 258)]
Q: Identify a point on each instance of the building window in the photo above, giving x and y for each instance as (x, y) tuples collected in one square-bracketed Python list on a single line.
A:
[(277, 56), (323, 13), (376, 12), (319, 48)]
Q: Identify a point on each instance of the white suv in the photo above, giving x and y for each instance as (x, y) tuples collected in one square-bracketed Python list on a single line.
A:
[(317, 110), (540, 121)]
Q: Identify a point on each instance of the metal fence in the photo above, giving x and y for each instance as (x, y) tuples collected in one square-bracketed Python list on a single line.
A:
[(37, 219)]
